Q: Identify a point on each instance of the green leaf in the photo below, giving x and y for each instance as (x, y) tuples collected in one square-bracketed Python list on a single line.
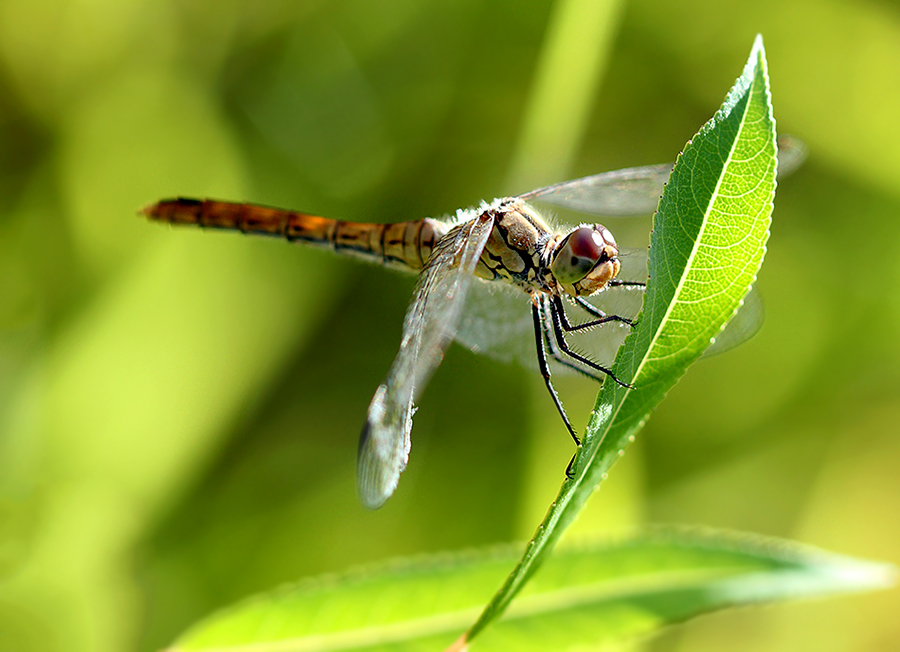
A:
[(708, 243), (596, 593)]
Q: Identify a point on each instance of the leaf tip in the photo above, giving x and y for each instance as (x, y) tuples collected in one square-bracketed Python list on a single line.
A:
[(867, 575), (758, 47)]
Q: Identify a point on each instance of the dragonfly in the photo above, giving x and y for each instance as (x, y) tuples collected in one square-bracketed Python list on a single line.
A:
[(477, 272)]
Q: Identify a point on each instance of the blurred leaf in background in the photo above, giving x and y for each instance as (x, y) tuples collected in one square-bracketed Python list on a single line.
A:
[(179, 410), (584, 597)]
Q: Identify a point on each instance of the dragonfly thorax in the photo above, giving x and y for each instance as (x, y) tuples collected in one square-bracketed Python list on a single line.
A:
[(523, 250), (585, 260), (515, 251)]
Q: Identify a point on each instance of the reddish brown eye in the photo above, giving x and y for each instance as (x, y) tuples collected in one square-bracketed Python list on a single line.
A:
[(583, 255), (584, 243)]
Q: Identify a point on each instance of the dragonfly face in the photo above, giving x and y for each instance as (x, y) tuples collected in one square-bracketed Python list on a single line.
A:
[(585, 261)]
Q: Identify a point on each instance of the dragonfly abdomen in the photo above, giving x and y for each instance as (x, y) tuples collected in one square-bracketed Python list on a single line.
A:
[(403, 244)]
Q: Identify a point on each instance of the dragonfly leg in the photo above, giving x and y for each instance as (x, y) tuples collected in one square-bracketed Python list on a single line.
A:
[(602, 317), (539, 335), (558, 312), (554, 351), (619, 283)]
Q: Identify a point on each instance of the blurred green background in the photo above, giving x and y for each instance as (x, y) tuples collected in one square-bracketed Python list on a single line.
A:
[(179, 409)]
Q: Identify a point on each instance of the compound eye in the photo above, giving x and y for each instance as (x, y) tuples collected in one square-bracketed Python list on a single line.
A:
[(586, 243), (578, 254)]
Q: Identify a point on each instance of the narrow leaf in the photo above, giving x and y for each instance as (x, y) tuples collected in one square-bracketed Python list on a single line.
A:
[(597, 593)]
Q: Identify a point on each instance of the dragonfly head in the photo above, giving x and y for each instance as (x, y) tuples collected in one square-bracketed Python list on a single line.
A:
[(585, 260)]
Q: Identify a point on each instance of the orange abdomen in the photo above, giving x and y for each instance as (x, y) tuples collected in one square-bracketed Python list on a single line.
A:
[(404, 244)]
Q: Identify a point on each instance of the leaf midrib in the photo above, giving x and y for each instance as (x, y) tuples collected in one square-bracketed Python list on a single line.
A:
[(697, 243)]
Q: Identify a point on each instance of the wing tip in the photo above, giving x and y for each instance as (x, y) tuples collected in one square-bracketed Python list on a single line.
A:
[(372, 486)]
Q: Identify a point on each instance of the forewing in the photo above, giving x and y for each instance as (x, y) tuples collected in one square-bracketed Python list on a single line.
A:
[(744, 325), (791, 154), (636, 191), (621, 193), (428, 328)]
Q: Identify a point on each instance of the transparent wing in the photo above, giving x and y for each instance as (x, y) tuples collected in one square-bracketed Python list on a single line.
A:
[(744, 325), (428, 328), (632, 191), (636, 191), (497, 320), (791, 154)]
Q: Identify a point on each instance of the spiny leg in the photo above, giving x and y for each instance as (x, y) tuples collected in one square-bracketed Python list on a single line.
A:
[(619, 283), (550, 341), (542, 335), (539, 334), (596, 312), (558, 312), (602, 317)]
